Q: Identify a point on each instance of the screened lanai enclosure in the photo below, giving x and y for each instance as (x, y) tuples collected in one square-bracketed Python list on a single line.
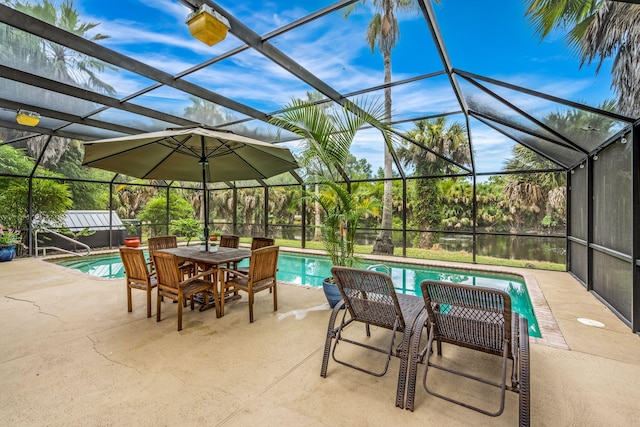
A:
[(488, 144)]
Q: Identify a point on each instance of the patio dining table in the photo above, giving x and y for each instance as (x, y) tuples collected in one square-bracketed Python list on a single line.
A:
[(211, 261)]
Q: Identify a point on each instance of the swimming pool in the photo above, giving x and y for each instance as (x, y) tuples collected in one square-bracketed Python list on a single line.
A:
[(310, 270)]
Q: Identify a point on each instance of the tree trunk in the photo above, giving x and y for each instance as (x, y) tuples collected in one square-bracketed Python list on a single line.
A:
[(383, 243)]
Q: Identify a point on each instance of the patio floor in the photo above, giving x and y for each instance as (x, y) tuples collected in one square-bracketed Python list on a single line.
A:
[(70, 354)]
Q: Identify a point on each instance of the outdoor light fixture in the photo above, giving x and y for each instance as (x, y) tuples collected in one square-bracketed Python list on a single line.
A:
[(207, 25), (581, 165), (623, 140), (27, 118), (595, 157)]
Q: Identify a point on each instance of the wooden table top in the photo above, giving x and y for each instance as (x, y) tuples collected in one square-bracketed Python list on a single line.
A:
[(221, 256)]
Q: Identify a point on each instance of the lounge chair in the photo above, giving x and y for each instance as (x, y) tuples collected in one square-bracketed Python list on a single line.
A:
[(479, 319), (370, 299)]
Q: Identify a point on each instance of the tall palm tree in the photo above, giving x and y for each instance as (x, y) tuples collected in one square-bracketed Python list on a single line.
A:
[(383, 31), (448, 140), (599, 29)]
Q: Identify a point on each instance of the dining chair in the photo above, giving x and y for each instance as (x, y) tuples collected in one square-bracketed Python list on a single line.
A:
[(166, 242), (137, 275), (261, 242), (229, 241), (257, 243), (172, 286), (261, 276)]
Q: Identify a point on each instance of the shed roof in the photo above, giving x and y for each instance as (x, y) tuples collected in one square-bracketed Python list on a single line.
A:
[(93, 220)]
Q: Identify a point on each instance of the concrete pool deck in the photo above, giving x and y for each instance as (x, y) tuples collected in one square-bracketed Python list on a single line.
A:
[(71, 355)]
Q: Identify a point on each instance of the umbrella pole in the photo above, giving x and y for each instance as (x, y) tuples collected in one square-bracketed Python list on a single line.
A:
[(204, 162)]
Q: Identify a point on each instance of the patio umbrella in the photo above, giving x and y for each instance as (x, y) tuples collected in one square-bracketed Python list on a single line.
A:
[(195, 154)]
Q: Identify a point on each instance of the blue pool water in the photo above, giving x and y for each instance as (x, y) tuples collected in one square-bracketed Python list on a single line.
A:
[(310, 270)]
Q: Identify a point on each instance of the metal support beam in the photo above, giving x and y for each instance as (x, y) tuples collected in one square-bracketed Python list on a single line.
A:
[(488, 121), (303, 219), (634, 138), (71, 118), (566, 142), (40, 130), (404, 217), (430, 17), (545, 96), (42, 29), (76, 92)]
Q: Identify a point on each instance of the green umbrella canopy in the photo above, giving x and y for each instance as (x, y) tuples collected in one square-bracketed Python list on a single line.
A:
[(190, 154), (181, 154)]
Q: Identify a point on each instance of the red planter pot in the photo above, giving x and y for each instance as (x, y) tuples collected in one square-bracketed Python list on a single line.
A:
[(132, 242)]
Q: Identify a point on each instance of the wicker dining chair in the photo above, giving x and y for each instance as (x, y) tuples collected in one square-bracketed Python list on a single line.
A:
[(370, 299), (167, 242), (137, 275), (171, 285), (261, 276), (480, 319)]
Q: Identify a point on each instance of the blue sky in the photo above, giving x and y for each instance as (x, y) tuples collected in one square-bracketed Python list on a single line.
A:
[(491, 38)]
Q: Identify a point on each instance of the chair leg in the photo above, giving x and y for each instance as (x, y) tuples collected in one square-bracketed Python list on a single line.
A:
[(275, 297), (331, 333), (129, 306), (148, 302), (250, 307), (180, 305), (159, 307)]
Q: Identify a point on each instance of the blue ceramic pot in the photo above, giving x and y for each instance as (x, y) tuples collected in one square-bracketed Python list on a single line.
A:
[(331, 291), (7, 253)]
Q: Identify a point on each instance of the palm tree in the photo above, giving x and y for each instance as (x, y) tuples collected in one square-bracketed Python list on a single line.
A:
[(327, 135), (599, 30), (383, 31), (546, 191), (449, 141), (205, 112)]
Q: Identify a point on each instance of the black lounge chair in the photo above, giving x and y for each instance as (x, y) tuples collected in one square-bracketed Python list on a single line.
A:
[(370, 299), (480, 319)]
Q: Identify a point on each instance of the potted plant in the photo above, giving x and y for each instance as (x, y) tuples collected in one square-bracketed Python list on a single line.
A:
[(132, 239), (9, 239), (342, 211), (328, 134), (214, 235)]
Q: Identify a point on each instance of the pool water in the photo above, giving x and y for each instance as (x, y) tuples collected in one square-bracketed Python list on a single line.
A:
[(310, 270)]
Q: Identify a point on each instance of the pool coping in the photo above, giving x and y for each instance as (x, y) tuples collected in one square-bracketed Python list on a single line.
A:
[(551, 334)]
